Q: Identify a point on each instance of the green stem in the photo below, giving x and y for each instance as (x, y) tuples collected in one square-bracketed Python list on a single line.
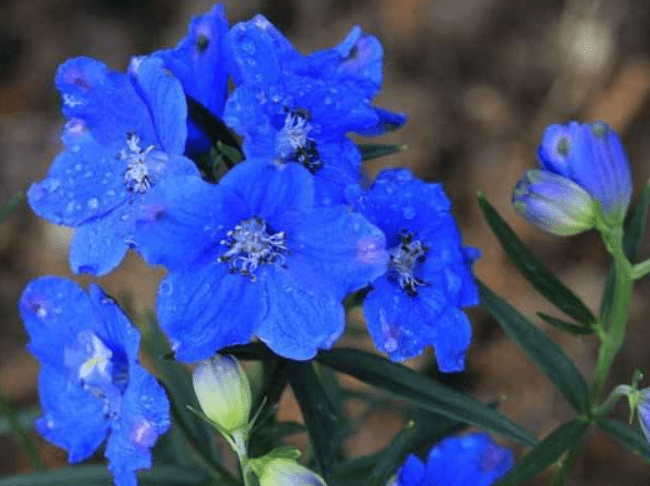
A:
[(612, 399), (568, 462), (238, 443), (641, 269), (615, 330)]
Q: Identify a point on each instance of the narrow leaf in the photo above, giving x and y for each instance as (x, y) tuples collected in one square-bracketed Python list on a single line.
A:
[(25, 442), (636, 229), (534, 270), (422, 391), (10, 205), (540, 348), (317, 411), (393, 456), (99, 476), (371, 151), (628, 435), (565, 326), (546, 453)]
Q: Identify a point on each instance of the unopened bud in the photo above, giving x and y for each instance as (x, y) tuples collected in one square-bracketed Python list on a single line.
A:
[(554, 203), (285, 472), (223, 391)]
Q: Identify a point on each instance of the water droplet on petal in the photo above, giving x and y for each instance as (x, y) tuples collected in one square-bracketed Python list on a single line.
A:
[(408, 212), (93, 203), (165, 288)]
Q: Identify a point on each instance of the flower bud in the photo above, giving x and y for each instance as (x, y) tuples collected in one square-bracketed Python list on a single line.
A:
[(554, 203), (285, 472), (592, 156), (641, 400), (223, 390)]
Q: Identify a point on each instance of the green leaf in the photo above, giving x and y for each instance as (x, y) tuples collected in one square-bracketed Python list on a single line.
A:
[(99, 476), (393, 456), (10, 205), (534, 270), (636, 229), (25, 420), (371, 151), (319, 414), (546, 453), (540, 348), (565, 326), (25, 442), (422, 391), (628, 435)]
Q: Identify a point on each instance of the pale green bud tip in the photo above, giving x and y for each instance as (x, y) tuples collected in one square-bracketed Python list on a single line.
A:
[(285, 472), (223, 391), (554, 203)]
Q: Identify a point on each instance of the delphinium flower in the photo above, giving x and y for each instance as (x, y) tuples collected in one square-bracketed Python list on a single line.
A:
[(291, 108), (590, 155), (91, 384), (123, 140), (419, 301), (469, 460), (255, 256), (198, 61)]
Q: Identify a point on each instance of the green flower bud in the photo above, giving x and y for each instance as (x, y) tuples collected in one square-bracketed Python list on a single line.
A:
[(285, 472), (224, 393)]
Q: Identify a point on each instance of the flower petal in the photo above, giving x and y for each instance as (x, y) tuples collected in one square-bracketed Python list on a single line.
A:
[(97, 248)]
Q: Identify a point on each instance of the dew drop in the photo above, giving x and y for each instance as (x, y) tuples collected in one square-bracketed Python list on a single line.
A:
[(93, 203), (78, 167), (165, 288), (408, 212), (70, 207)]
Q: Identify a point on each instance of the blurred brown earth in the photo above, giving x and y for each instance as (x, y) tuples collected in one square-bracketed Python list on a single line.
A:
[(480, 79)]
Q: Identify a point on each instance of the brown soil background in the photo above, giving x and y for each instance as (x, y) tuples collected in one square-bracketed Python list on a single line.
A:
[(480, 79)]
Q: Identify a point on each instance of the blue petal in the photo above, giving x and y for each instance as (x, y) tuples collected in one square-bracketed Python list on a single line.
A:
[(118, 332), (387, 121), (73, 419), (54, 311), (247, 114), (271, 190), (470, 459), (335, 251), (164, 97), (186, 222), (208, 309), (97, 248), (411, 473), (143, 417), (106, 101), (341, 167), (255, 50), (300, 320), (83, 183), (198, 60)]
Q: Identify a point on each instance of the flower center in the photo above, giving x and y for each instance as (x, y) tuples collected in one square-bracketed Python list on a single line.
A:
[(403, 259), (97, 368), (293, 143), (251, 244), (137, 177)]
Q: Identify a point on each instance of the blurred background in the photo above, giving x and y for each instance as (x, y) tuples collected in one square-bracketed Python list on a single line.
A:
[(479, 79)]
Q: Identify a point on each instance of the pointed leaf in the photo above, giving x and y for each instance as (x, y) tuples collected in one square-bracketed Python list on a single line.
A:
[(636, 229), (540, 348), (24, 440), (565, 326), (422, 391), (318, 413), (534, 270), (628, 435), (545, 454), (371, 151)]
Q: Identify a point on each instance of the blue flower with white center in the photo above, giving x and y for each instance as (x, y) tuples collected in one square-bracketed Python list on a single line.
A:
[(294, 108), (198, 61), (592, 156), (123, 141), (419, 301), (91, 383), (469, 460), (254, 256)]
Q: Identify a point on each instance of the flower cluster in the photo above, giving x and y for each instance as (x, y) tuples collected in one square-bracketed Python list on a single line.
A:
[(268, 249)]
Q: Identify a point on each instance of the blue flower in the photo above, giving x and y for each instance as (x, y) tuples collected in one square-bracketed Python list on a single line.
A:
[(123, 141), (198, 61), (254, 256), (592, 156), (419, 301), (294, 108), (469, 460), (554, 203), (91, 383)]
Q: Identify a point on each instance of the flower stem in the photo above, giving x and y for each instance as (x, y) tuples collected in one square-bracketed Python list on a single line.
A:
[(641, 269), (617, 318), (238, 443)]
